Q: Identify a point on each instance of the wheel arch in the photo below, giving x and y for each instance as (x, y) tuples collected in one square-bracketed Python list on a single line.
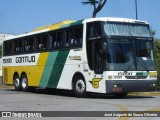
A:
[(15, 74), (23, 73), (77, 74)]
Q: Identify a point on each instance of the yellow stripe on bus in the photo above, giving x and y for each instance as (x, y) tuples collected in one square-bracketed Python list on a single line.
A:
[(54, 26), (36, 74)]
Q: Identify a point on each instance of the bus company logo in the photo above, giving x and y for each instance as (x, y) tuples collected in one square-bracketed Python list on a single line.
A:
[(95, 82), (20, 59), (25, 59), (6, 114)]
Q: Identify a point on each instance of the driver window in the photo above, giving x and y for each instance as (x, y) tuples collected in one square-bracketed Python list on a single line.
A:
[(94, 30)]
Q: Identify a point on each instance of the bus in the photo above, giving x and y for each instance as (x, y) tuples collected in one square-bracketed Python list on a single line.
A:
[(97, 55)]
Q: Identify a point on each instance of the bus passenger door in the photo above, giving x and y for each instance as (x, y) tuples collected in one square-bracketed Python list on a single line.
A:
[(94, 47), (97, 54)]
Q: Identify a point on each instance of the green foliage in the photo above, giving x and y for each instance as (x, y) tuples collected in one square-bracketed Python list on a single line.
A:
[(97, 8), (91, 2), (157, 60)]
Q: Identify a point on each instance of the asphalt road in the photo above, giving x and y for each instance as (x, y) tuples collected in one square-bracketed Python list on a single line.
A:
[(40, 100)]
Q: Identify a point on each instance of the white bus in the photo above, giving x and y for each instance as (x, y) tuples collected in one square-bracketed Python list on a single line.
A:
[(97, 55)]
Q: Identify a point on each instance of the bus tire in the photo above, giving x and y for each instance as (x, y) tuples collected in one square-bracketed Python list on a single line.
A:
[(79, 86), (120, 95), (17, 83), (24, 83)]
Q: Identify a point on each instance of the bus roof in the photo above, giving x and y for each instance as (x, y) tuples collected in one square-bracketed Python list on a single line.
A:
[(69, 23), (64, 24), (115, 19)]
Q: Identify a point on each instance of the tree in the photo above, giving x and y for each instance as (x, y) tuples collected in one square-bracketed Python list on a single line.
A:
[(0, 51), (157, 60), (98, 5)]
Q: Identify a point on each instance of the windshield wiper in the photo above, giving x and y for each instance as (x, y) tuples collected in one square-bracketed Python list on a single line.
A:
[(133, 57), (133, 61)]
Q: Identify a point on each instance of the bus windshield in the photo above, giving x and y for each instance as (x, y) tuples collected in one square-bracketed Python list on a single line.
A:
[(127, 29), (126, 50), (124, 54)]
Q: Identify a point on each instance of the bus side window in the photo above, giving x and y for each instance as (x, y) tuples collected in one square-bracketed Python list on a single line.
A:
[(18, 45), (51, 40), (13, 48), (54, 36), (94, 30), (60, 39), (31, 44), (69, 38), (25, 44), (38, 42), (44, 42), (78, 34), (7, 47)]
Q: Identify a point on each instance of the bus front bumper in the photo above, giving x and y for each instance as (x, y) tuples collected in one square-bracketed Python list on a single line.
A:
[(125, 86)]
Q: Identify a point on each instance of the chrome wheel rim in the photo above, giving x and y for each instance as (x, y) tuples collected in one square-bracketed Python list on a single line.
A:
[(17, 82), (24, 83), (80, 86)]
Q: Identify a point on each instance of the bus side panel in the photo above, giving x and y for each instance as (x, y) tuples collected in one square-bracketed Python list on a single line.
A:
[(7, 75), (33, 72), (53, 69), (73, 65)]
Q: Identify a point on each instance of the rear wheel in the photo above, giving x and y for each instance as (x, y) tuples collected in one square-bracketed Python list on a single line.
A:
[(24, 83), (79, 87), (17, 83)]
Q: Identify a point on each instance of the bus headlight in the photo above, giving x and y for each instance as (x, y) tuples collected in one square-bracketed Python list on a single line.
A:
[(153, 75)]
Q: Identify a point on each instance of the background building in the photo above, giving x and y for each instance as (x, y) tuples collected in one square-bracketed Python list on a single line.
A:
[(2, 37)]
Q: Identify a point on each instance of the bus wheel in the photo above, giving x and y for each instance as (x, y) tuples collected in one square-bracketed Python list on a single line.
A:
[(17, 83), (24, 83), (120, 95), (79, 87)]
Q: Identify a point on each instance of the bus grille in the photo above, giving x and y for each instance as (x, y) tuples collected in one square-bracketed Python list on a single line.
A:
[(5, 75)]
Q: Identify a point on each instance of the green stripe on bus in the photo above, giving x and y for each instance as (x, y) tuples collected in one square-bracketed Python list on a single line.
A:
[(78, 22), (57, 68), (48, 69)]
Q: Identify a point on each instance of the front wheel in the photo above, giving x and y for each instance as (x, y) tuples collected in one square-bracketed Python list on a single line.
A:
[(79, 87)]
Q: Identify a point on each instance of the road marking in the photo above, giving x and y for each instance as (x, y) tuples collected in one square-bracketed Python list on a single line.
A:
[(123, 108), (154, 109), (145, 94)]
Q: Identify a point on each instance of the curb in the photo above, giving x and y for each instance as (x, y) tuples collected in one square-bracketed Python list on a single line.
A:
[(2, 86)]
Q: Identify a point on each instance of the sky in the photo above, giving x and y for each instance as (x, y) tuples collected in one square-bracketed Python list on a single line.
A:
[(20, 16)]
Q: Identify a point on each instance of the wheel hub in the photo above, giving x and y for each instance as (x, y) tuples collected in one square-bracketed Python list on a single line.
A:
[(80, 86), (17, 82), (24, 83)]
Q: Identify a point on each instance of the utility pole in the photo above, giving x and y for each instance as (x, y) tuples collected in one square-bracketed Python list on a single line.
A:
[(136, 8)]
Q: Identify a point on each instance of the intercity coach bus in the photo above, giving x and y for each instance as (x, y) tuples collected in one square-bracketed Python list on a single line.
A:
[(97, 55)]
